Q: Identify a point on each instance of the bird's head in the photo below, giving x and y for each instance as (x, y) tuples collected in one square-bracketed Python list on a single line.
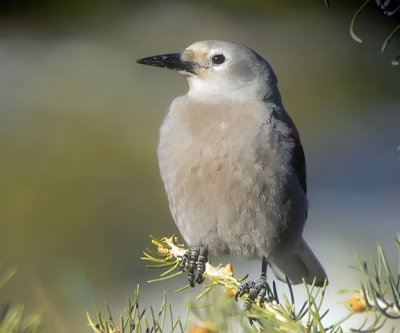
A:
[(220, 69)]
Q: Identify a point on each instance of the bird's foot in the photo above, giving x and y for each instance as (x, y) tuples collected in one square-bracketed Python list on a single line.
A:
[(259, 289), (194, 261), (254, 290)]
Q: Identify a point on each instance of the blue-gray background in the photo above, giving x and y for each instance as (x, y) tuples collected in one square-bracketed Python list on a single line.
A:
[(79, 183)]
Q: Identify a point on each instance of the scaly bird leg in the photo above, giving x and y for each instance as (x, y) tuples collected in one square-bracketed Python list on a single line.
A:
[(255, 289), (194, 260)]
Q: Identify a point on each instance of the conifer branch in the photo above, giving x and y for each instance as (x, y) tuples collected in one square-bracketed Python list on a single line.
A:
[(378, 299)]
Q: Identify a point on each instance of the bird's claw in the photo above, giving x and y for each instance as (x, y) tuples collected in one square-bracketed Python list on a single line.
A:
[(244, 288), (194, 261), (254, 290)]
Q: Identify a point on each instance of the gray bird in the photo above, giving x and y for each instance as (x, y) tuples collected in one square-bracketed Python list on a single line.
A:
[(233, 165)]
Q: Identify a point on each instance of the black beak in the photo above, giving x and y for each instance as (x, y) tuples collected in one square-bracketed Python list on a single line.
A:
[(170, 61)]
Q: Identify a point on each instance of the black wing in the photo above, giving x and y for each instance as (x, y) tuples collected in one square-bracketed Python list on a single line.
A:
[(299, 164)]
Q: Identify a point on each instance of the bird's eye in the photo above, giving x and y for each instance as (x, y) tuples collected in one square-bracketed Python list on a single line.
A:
[(218, 59)]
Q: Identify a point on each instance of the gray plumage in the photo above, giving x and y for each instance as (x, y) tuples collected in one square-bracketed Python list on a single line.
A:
[(232, 162)]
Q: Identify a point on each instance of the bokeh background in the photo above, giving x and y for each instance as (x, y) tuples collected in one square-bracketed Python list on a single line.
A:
[(79, 183)]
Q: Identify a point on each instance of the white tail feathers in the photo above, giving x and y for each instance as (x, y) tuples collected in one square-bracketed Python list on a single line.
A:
[(299, 264)]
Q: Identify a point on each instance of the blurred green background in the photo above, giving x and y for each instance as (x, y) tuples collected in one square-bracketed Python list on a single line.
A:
[(79, 183)]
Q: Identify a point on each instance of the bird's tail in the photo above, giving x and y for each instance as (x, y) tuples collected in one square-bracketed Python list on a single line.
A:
[(299, 264)]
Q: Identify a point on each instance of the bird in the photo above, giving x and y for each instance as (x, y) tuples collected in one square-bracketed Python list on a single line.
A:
[(233, 166)]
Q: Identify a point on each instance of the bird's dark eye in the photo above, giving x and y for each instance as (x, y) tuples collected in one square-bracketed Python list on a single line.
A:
[(218, 59)]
